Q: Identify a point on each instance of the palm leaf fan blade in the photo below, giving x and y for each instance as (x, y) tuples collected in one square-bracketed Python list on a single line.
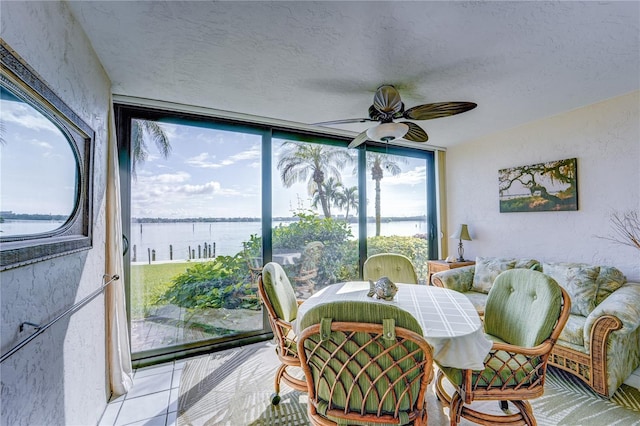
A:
[(387, 100), (358, 140), (415, 133), (438, 110)]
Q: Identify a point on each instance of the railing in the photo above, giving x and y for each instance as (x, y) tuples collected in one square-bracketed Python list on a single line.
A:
[(39, 329)]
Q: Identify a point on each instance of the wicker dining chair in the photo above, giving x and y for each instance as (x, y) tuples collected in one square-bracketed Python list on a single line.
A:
[(365, 363), (398, 268), (307, 269), (254, 264), (279, 299), (525, 313)]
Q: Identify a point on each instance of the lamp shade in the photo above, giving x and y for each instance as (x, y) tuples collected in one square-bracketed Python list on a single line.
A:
[(386, 132), (462, 233)]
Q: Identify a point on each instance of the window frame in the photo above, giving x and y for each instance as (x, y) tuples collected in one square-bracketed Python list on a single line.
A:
[(76, 233), (125, 113)]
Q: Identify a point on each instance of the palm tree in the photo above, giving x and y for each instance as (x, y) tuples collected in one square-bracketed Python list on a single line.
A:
[(346, 199), (379, 163), (331, 188), (141, 130), (313, 163)]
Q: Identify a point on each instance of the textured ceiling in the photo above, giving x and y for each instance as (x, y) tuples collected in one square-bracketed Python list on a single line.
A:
[(309, 62)]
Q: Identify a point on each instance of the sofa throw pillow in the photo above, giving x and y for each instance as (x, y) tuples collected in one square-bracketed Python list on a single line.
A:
[(528, 264), (609, 280), (487, 269), (579, 280)]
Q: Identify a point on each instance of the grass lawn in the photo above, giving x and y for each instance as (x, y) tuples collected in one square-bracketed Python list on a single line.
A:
[(148, 282)]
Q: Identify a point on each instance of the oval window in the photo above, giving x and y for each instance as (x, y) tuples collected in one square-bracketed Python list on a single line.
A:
[(38, 171)]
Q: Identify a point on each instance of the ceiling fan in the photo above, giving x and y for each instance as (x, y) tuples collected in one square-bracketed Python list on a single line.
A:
[(388, 106)]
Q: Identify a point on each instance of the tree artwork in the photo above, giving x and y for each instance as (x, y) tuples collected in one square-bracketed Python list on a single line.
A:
[(551, 186)]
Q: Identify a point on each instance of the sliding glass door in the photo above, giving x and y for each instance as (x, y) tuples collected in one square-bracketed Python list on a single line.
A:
[(315, 212), (194, 217), (206, 203), (397, 206)]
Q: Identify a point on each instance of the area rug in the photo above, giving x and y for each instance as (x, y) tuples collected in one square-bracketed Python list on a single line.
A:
[(233, 388)]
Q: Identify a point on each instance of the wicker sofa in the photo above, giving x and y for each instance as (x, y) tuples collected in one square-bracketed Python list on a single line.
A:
[(600, 343)]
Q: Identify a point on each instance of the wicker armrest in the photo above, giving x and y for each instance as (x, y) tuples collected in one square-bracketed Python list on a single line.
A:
[(459, 279)]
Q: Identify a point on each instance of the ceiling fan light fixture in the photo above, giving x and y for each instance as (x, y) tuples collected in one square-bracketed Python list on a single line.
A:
[(387, 132)]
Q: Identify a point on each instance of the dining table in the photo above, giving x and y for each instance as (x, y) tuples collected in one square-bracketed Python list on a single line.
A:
[(449, 321), (286, 258)]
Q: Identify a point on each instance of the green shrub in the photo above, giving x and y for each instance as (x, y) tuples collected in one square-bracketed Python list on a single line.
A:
[(339, 258), (415, 248), (220, 283)]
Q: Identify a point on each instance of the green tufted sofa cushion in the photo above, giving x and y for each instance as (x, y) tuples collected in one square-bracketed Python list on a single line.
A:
[(279, 291)]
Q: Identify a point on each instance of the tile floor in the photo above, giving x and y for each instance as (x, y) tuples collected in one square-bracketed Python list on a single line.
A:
[(153, 399)]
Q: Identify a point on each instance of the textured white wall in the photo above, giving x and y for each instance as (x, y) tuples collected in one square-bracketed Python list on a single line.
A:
[(59, 378), (604, 137)]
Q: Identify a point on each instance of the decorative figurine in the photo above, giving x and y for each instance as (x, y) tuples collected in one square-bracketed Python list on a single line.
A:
[(384, 288)]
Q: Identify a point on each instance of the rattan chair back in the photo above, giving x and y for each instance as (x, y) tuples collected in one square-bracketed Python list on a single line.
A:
[(365, 372)]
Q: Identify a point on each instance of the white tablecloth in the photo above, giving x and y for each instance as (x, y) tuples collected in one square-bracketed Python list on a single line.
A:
[(449, 321)]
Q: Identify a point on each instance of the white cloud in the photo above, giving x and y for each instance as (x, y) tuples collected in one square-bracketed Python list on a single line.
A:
[(204, 160), (207, 188), (26, 116), (41, 144), (416, 176), (178, 177)]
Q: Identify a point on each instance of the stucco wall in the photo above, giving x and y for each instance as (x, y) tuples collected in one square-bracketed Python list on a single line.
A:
[(59, 378), (605, 139)]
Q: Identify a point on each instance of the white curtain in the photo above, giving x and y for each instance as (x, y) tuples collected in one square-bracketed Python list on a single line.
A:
[(118, 347)]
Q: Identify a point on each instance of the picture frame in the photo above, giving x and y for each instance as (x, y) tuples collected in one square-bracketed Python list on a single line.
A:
[(550, 186)]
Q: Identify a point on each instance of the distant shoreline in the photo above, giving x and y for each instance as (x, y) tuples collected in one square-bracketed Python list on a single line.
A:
[(38, 216), (257, 219)]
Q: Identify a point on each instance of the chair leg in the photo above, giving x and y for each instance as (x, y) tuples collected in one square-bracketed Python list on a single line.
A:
[(275, 398), (504, 406), (455, 409), (526, 411)]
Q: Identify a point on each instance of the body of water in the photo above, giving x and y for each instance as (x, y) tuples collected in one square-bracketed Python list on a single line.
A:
[(11, 227), (226, 237)]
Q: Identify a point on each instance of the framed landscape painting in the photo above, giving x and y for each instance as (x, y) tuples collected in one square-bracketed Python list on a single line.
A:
[(551, 186)]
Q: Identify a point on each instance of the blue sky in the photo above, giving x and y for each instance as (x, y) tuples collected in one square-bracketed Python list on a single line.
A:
[(209, 173), (37, 165), (214, 173)]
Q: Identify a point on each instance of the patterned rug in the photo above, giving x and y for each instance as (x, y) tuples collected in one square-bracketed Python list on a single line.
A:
[(233, 388)]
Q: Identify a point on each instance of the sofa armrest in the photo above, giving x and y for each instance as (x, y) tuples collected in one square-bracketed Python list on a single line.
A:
[(623, 305), (459, 279)]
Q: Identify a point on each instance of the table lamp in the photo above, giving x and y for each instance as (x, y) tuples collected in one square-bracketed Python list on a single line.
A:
[(461, 234)]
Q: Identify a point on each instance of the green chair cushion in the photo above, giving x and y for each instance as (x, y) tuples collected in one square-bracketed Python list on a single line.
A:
[(359, 311), (507, 376), (397, 267), (523, 307), (279, 291)]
